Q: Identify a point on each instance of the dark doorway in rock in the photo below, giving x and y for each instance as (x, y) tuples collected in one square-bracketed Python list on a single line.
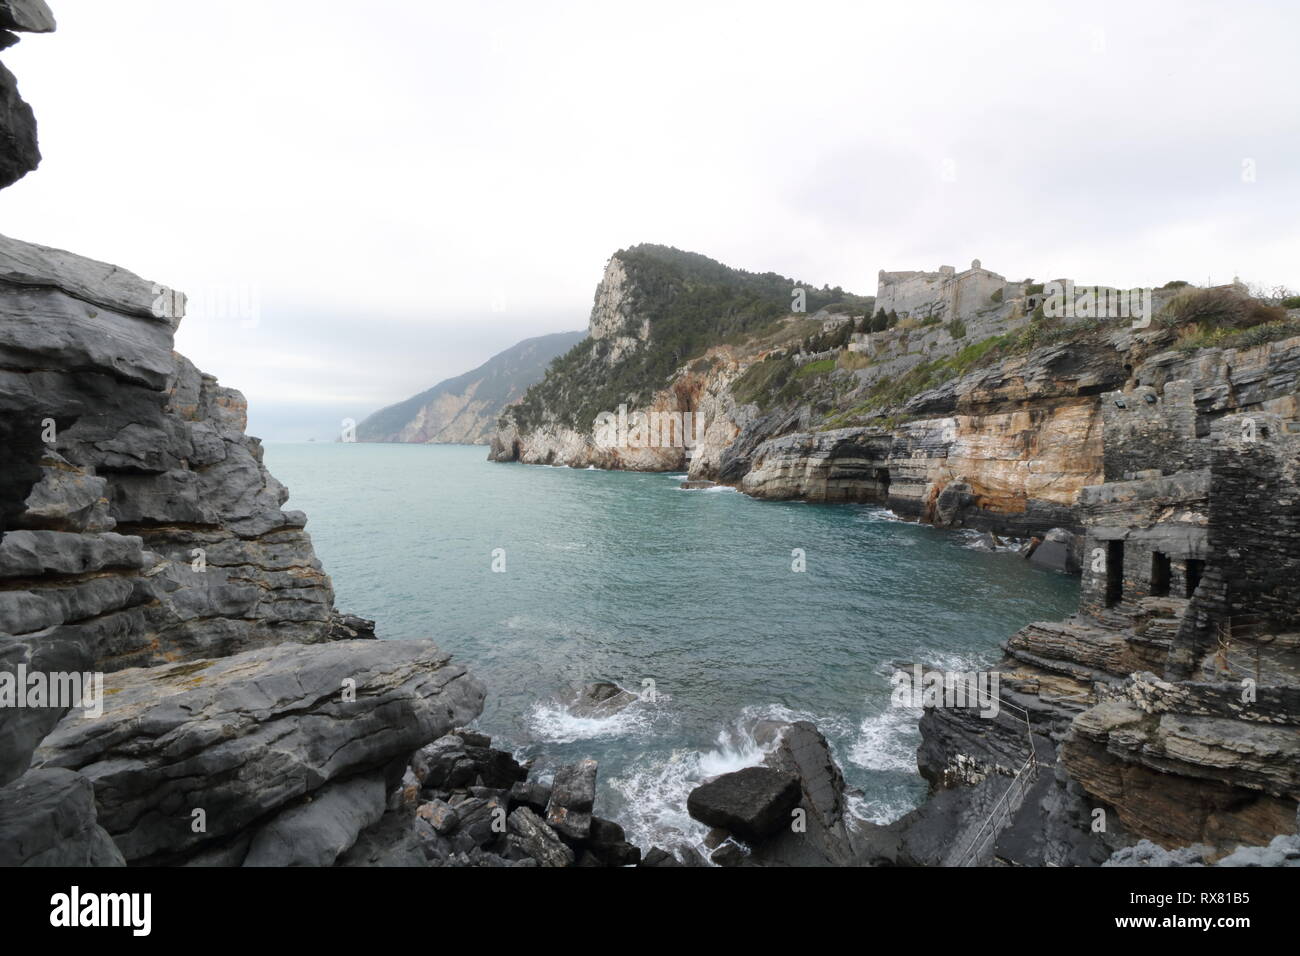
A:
[(882, 483), (1159, 574), (1114, 572), (1195, 568)]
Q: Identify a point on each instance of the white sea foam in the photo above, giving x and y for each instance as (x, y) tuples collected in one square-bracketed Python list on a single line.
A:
[(656, 789), (887, 741), (552, 721), (974, 541)]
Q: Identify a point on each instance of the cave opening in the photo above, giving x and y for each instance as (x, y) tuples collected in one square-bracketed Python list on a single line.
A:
[(1159, 574), (1114, 572)]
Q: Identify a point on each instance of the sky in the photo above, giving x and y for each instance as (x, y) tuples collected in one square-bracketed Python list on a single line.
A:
[(364, 199)]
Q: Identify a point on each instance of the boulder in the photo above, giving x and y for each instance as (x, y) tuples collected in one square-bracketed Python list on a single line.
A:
[(531, 837), (657, 857), (598, 699), (441, 815), (752, 803), (607, 843), (529, 794), (1059, 551), (573, 794), (240, 737)]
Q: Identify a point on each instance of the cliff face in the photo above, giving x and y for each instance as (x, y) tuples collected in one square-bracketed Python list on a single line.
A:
[(140, 482), (654, 309), (464, 410), (175, 684), (992, 420), (1167, 709)]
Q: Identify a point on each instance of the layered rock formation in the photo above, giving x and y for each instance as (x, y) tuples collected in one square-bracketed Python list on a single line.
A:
[(144, 540), (175, 684), (1167, 710)]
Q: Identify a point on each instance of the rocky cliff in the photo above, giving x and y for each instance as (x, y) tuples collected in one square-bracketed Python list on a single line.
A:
[(1167, 711), (176, 686), (464, 410), (175, 682), (992, 420), (669, 332)]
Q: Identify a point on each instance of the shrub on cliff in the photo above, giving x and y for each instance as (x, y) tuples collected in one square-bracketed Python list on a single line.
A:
[(1222, 307)]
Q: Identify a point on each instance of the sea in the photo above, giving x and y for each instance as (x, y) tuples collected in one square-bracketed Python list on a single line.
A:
[(717, 610)]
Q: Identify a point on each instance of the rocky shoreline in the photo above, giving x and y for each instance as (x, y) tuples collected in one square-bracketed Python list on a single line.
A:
[(177, 687)]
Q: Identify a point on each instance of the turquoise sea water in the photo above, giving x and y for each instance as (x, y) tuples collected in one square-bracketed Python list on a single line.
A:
[(625, 577)]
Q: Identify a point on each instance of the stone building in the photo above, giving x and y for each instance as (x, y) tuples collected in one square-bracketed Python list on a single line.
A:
[(946, 294)]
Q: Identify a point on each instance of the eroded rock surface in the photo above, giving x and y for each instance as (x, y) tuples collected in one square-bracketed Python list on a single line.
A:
[(239, 737)]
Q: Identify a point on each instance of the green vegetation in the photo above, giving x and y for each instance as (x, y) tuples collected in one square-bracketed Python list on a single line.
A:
[(1290, 302), (890, 393), (692, 303), (957, 328), (816, 368), (1195, 337)]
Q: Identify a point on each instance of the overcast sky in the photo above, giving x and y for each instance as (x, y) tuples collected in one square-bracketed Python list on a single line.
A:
[(402, 189)]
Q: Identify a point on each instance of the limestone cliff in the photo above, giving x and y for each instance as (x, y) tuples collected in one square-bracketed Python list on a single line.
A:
[(991, 420), (1167, 709)]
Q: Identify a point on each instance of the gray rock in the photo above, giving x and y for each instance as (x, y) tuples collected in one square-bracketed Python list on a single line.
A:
[(37, 553), (243, 736), (316, 831), (659, 857), (573, 795), (481, 819), (23, 728), (47, 818), (729, 854), (824, 839), (1281, 851), (529, 794), (533, 838), (1146, 853), (27, 16), (1058, 550), (440, 815), (19, 154), (752, 803), (599, 699), (87, 280), (607, 843)]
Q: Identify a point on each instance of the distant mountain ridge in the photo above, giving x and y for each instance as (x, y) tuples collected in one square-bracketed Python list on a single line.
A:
[(464, 409)]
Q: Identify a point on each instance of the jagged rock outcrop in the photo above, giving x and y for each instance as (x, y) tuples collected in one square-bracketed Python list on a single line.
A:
[(463, 803), (140, 522)]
